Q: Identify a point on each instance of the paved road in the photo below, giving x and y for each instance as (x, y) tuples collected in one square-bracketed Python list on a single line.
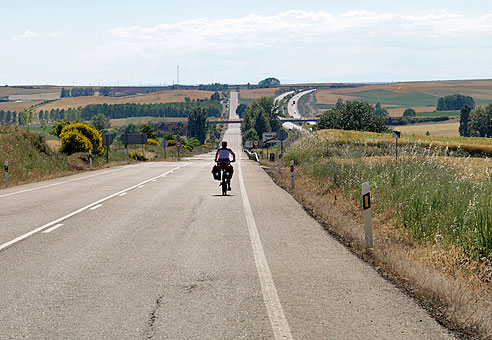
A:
[(152, 251), (292, 105)]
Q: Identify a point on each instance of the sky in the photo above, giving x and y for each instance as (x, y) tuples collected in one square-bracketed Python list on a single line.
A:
[(142, 42)]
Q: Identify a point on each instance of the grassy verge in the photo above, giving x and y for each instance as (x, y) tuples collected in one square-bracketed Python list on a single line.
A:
[(30, 158), (433, 218)]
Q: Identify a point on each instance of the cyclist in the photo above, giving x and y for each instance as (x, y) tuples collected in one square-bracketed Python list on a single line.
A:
[(223, 160)]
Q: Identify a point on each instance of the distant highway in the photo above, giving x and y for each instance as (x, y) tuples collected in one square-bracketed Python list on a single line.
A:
[(292, 107)]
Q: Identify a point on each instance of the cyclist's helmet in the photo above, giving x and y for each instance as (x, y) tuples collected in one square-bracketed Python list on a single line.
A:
[(224, 144)]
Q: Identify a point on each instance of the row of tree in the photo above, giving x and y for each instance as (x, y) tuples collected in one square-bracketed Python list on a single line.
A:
[(454, 102), (213, 87), (77, 92)]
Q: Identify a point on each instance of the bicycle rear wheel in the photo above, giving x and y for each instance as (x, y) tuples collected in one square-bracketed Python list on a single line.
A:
[(224, 187)]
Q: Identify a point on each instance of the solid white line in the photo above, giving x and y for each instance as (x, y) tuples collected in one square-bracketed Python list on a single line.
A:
[(123, 194), (52, 228), (140, 186), (59, 183), (276, 314), (47, 225), (95, 207)]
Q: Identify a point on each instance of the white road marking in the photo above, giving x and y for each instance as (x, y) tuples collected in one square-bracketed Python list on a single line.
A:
[(140, 186), (95, 207), (52, 228), (123, 194), (47, 225), (59, 183), (276, 314)]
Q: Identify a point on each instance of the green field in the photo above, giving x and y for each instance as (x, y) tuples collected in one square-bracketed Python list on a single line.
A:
[(439, 114), (410, 99)]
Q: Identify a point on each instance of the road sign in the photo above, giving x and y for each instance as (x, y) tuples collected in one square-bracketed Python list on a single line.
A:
[(269, 137), (178, 144), (282, 135), (107, 140), (178, 138), (256, 143), (396, 134), (164, 143), (248, 144), (134, 138)]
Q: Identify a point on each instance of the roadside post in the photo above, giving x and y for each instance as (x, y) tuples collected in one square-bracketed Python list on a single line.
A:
[(164, 144), (178, 145), (6, 174), (90, 160), (292, 184), (279, 163), (366, 205), (396, 136)]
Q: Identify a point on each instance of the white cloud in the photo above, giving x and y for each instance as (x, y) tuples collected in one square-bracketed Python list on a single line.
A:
[(56, 34), (27, 35), (299, 27)]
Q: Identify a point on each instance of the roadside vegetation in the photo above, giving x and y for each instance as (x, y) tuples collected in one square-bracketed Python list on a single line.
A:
[(432, 213)]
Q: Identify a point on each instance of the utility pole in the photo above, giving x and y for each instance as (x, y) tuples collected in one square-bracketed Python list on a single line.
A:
[(177, 79)]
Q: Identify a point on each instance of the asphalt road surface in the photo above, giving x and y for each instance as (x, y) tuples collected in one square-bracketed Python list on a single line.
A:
[(153, 251), (292, 107)]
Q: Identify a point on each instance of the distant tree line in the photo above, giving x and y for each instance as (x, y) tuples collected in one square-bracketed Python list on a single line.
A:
[(77, 92), (454, 102), (269, 82), (213, 87)]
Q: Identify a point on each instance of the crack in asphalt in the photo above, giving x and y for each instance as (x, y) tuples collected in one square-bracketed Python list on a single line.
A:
[(153, 317)]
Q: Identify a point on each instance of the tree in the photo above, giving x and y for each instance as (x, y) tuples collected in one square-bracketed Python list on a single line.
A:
[(261, 115), (130, 128), (454, 102), (465, 121), (352, 115), (251, 134), (100, 122), (27, 115), (215, 96), (58, 127), (409, 113), (269, 82), (105, 91), (240, 109), (149, 130), (197, 124), (380, 111), (481, 122)]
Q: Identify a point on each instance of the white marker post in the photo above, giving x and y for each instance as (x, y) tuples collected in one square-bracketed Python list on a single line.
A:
[(279, 162), (6, 174), (292, 183), (90, 160), (366, 205)]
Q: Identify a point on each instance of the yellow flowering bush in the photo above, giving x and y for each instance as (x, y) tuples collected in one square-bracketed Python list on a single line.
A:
[(81, 137), (152, 141)]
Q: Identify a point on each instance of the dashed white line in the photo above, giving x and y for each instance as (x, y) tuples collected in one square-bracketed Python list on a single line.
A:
[(95, 207), (280, 326), (52, 228), (52, 223)]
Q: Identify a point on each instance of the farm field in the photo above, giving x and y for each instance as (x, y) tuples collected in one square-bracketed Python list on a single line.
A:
[(258, 93), (445, 129), (155, 97), (421, 96), (26, 90), (18, 106)]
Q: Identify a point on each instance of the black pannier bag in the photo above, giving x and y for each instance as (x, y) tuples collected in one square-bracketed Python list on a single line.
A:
[(229, 171), (216, 172)]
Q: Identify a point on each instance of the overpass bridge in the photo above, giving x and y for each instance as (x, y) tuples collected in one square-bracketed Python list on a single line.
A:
[(283, 120)]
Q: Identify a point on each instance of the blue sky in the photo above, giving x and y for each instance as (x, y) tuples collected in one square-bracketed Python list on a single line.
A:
[(142, 42)]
